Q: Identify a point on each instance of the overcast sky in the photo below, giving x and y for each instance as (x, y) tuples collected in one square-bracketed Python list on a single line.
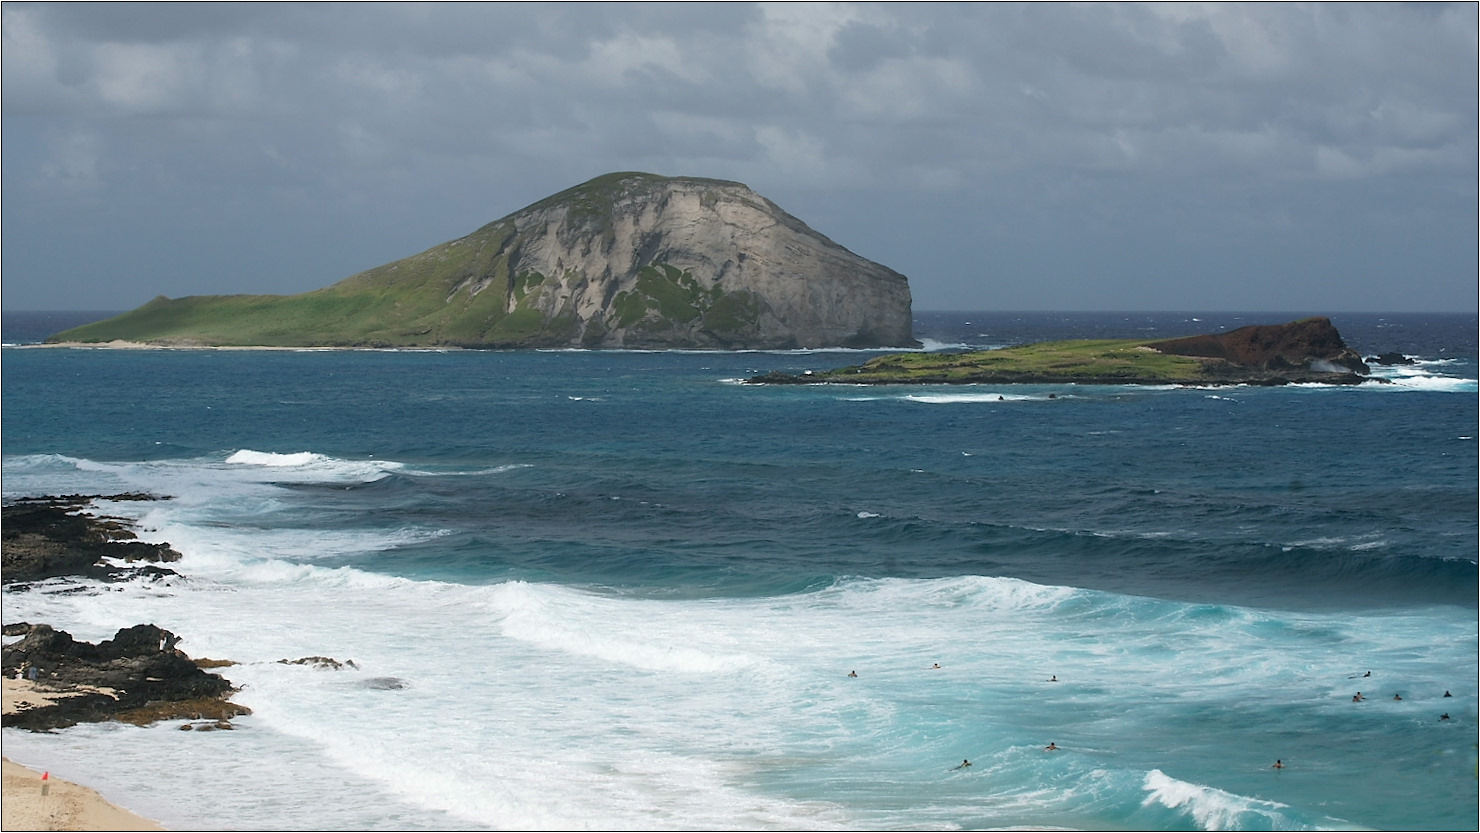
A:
[(1267, 157)]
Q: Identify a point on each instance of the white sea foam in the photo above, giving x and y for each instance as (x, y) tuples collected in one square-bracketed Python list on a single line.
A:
[(470, 700), (958, 397), (1422, 375), (930, 345), (1214, 809), (309, 466)]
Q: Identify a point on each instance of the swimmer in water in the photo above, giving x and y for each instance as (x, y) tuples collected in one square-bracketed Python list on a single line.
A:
[(1054, 678), (1444, 716), (1397, 697), (1447, 694), (937, 665), (1278, 764), (853, 673), (1357, 698), (964, 764), (1051, 747)]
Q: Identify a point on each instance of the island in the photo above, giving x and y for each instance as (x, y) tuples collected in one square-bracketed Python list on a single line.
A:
[(626, 260), (1306, 351)]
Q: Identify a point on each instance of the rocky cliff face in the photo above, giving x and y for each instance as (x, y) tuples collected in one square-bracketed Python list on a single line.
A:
[(636, 260), (1309, 344)]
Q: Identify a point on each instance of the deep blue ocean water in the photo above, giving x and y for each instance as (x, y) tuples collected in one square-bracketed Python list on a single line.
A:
[(620, 589)]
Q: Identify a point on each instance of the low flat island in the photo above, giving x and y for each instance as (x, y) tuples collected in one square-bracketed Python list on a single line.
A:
[(1306, 351)]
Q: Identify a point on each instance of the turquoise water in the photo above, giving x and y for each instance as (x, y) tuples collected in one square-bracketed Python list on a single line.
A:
[(623, 590)]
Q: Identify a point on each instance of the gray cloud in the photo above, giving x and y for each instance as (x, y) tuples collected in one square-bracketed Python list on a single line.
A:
[(1268, 156)]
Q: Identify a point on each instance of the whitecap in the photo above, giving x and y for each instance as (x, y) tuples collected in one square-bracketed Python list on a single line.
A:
[(1212, 808), (309, 466), (954, 398)]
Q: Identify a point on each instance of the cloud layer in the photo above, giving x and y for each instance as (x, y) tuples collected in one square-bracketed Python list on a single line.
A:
[(1269, 156)]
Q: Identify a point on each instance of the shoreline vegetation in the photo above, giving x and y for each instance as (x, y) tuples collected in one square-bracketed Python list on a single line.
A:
[(1306, 351)]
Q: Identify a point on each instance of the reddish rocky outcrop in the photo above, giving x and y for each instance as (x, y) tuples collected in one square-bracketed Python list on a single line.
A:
[(1310, 344)]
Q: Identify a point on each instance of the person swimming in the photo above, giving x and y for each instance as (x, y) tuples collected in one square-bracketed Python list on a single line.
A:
[(1447, 694), (937, 665), (853, 673), (1357, 698), (964, 764), (1444, 716), (1051, 747), (1054, 678), (1397, 697), (1279, 764)]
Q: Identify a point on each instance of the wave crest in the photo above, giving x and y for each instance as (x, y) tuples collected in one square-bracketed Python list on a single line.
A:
[(1212, 808)]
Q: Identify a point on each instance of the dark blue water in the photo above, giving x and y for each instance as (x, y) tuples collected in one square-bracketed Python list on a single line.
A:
[(1267, 541), (650, 470)]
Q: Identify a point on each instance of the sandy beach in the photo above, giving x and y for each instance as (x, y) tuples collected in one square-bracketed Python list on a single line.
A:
[(59, 805), (63, 805)]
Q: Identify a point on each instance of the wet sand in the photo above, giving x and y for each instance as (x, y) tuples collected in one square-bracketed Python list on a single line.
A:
[(29, 803)]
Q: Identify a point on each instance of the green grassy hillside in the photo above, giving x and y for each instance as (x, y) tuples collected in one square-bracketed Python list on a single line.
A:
[(463, 293), (1107, 359), (422, 300), (1102, 361)]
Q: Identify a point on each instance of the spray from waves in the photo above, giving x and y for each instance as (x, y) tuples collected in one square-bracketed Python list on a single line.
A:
[(181, 477), (313, 467), (1434, 375), (1214, 809), (983, 396), (207, 477), (930, 345)]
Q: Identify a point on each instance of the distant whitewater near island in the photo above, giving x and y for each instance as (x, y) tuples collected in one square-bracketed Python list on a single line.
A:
[(627, 260)]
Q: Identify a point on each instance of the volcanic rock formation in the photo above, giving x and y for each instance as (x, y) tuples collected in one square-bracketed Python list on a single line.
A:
[(138, 676), (625, 260), (1309, 344)]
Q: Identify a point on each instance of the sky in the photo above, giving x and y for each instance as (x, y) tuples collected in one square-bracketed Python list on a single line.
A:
[(1165, 157)]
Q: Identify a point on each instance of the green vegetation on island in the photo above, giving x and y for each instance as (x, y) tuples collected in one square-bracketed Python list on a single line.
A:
[(1309, 350), (624, 260), (1105, 360)]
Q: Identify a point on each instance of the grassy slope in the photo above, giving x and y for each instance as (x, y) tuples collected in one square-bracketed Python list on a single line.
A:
[(423, 300), (401, 303), (1098, 360)]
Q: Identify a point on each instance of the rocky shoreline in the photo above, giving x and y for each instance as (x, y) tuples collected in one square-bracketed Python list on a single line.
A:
[(139, 676), (49, 537)]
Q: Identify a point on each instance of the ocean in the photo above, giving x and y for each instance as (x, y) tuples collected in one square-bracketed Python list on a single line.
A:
[(621, 590)]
